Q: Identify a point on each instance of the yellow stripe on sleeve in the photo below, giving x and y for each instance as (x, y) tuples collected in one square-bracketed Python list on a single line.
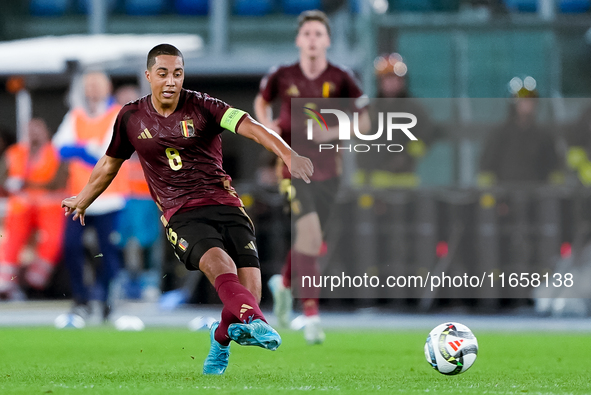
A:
[(231, 118)]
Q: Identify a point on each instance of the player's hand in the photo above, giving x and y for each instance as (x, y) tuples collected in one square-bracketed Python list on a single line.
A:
[(301, 167), (72, 206)]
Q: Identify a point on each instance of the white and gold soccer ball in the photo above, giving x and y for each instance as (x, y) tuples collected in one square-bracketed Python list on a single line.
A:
[(451, 348)]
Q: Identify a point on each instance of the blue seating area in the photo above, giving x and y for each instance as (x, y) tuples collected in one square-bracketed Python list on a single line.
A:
[(411, 6), (574, 6), (564, 6), (145, 7), (254, 7), (49, 7), (83, 6), (294, 7), (56, 8), (191, 7)]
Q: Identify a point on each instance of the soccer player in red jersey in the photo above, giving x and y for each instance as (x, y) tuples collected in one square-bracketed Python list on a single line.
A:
[(312, 76), (176, 134)]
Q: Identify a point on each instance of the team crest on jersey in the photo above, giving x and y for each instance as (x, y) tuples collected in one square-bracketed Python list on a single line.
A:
[(187, 128), (293, 91)]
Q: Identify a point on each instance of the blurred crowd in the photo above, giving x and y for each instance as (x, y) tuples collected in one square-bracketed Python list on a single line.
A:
[(37, 173)]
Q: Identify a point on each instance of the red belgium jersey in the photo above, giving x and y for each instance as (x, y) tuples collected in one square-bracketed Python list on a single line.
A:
[(181, 155), (287, 82)]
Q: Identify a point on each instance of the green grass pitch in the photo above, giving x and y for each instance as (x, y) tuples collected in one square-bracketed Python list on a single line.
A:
[(169, 361)]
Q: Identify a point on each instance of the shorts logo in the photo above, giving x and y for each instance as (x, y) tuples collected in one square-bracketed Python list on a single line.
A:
[(250, 246), (183, 244), (187, 128), (145, 135)]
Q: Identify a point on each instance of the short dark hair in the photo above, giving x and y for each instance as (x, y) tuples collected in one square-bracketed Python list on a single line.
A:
[(162, 49), (314, 15)]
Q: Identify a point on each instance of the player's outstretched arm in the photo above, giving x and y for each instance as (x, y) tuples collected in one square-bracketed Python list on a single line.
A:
[(103, 173), (299, 166)]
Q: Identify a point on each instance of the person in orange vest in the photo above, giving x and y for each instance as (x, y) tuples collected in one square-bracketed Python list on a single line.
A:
[(83, 137), (35, 179)]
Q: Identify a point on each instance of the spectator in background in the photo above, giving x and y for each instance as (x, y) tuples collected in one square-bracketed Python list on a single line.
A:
[(138, 225), (35, 179), (521, 150), (83, 137), (387, 170)]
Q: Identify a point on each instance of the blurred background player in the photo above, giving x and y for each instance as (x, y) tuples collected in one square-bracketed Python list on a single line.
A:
[(521, 150), (311, 77), (395, 171), (35, 179), (82, 138)]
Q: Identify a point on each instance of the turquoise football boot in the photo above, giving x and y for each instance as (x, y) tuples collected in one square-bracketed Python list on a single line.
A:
[(256, 333), (217, 359)]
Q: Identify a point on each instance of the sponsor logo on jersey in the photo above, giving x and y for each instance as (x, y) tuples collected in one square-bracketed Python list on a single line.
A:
[(293, 91), (187, 128), (145, 135)]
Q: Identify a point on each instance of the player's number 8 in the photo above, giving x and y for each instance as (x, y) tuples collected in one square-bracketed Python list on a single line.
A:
[(174, 159)]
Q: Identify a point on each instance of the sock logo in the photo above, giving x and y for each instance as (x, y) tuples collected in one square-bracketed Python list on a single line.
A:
[(456, 344), (250, 246), (244, 308)]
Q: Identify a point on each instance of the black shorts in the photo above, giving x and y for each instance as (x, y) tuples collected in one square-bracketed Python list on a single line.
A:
[(193, 232), (318, 197)]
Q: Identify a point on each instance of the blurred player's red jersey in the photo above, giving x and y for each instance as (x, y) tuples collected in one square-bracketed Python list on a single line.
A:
[(181, 155), (287, 82)]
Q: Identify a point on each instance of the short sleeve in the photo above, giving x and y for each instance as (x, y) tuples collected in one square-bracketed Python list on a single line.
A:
[(268, 86), (120, 146)]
